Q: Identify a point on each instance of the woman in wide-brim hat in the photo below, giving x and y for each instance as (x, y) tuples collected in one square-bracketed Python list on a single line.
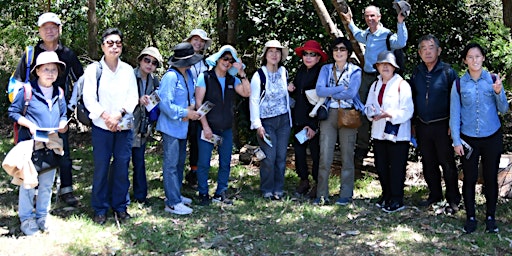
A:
[(177, 108), (271, 117), (312, 57), (390, 107), (47, 109), (149, 60)]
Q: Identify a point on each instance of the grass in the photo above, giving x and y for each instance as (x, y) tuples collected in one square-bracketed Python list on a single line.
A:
[(253, 226)]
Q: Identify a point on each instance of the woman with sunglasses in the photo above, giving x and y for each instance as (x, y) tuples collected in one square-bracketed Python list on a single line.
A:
[(269, 105), (312, 57), (149, 60), (115, 96), (339, 82)]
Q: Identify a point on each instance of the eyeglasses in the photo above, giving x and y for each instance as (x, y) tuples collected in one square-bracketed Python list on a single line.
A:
[(148, 60), (339, 49), (111, 43), (309, 54), (227, 58), (48, 71)]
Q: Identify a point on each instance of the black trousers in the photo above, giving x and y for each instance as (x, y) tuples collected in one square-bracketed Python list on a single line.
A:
[(391, 163), (301, 165), (436, 148), (192, 143), (65, 166), (489, 149)]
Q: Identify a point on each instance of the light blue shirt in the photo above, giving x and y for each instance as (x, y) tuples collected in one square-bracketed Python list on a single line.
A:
[(376, 42), (345, 91), (474, 111), (175, 96), (222, 82)]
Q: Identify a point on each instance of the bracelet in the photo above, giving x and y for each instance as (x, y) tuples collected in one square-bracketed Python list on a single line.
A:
[(242, 77)]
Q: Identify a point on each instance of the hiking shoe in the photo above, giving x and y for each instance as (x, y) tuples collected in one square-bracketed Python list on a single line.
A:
[(29, 227), (303, 187), (381, 203), (428, 202), (268, 196), (122, 216), (451, 209), (204, 199), (393, 207), (321, 201), (470, 225), (100, 219), (180, 209), (312, 192), (186, 200), (221, 198), (343, 201), (69, 199), (42, 225), (490, 225), (191, 178)]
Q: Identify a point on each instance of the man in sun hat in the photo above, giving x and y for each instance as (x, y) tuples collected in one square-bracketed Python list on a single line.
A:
[(177, 107), (218, 86), (149, 60), (201, 42), (50, 29), (374, 37), (312, 57)]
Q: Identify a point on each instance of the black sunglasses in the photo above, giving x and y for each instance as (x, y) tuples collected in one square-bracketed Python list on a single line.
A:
[(227, 58), (111, 43), (148, 60), (341, 49), (310, 54)]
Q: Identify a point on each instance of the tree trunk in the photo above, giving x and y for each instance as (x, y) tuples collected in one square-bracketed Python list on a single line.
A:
[(232, 17), (92, 47), (507, 13), (326, 20), (341, 6), (220, 23)]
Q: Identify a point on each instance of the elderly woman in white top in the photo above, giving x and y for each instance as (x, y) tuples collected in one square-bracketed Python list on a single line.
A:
[(271, 117), (114, 97), (389, 106)]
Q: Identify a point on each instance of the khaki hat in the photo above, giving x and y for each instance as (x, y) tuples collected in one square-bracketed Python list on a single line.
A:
[(202, 34), (386, 57), (153, 52), (48, 17), (275, 44), (46, 58)]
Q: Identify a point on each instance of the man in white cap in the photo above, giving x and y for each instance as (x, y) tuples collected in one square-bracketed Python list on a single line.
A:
[(50, 28)]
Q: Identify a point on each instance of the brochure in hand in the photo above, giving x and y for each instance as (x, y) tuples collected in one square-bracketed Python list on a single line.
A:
[(205, 108), (154, 99), (391, 131), (302, 136), (126, 122), (215, 140), (267, 139)]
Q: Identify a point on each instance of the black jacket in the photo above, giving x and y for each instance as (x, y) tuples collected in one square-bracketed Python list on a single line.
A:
[(304, 80)]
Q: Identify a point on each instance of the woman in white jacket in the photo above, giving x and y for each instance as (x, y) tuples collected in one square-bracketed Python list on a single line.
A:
[(389, 106)]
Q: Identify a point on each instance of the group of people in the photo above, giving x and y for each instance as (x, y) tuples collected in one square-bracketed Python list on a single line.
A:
[(435, 105)]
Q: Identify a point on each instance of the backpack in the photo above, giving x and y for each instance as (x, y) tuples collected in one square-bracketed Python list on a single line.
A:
[(399, 55), (27, 96), (14, 85), (82, 114)]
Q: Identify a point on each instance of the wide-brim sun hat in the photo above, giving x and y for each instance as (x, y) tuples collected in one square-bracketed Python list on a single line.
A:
[(275, 44), (184, 56), (47, 58), (153, 52), (386, 57), (202, 34), (48, 17), (313, 46), (212, 60)]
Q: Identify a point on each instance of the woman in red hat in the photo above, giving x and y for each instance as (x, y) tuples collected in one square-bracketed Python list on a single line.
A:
[(312, 57)]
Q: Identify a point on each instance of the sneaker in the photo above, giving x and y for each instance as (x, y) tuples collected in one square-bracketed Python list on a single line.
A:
[(186, 200), (100, 219), (42, 225), (381, 203), (29, 227), (204, 199), (451, 209), (321, 201), (221, 198), (69, 199), (303, 187), (393, 207), (470, 225), (343, 201), (490, 225), (180, 209)]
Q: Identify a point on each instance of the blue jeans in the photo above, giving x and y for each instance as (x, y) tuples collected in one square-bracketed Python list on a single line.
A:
[(44, 196), (175, 152), (110, 182), (272, 168), (205, 155), (140, 184)]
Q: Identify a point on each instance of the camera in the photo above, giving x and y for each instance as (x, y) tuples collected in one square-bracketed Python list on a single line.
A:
[(143, 129)]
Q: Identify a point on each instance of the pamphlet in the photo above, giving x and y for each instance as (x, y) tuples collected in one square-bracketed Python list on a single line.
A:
[(126, 122), (302, 136), (215, 140), (205, 108), (154, 99), (267, 139), (41, 135)]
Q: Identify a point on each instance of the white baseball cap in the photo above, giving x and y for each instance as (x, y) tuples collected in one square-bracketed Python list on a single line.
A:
[(48, 17)]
